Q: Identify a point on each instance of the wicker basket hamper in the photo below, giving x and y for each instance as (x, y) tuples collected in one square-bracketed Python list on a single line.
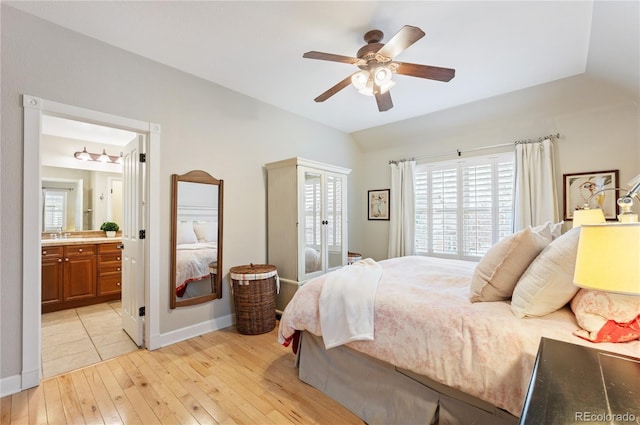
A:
[(254, 297)]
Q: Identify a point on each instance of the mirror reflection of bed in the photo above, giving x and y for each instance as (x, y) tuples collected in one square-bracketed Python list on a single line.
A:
[(197, 241)]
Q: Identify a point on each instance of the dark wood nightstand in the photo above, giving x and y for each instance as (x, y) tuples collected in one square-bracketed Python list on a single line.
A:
[(573, 384)]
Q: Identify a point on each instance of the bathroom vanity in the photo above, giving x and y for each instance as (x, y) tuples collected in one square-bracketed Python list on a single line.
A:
[(80, 271)]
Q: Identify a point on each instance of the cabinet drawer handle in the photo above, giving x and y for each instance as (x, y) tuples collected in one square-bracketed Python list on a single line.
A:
[(59, 260), (66, 259), (44, 252), (79, 249), (118, 269), (118, 258), (118, 284)]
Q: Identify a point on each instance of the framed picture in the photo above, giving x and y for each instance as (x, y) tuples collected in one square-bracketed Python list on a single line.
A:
[(582, 189), (378, 204)]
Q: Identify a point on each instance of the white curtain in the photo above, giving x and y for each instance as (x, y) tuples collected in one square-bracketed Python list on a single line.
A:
[(536, 200), (402, 209)]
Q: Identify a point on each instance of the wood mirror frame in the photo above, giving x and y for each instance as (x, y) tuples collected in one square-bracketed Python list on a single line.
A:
[(196, 225)]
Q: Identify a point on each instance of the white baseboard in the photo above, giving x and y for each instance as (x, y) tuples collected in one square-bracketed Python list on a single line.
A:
[(10, 385), (168, 338)]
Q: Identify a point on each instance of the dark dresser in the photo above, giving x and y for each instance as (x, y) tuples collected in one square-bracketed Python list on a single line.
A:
[(573, 384)]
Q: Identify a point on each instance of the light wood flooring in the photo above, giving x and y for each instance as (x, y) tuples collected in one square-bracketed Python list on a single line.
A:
[(218, 378)]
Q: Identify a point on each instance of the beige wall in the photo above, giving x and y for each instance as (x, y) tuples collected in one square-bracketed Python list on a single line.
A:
[(598, 124), (204, 126)]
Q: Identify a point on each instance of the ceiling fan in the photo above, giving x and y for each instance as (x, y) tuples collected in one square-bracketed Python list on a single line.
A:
[(375, 60)]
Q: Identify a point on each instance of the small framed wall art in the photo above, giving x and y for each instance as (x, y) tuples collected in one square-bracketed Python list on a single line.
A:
[(378, 201), (595, 189)]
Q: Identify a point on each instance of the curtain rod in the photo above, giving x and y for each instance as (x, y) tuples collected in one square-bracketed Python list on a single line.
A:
[(458, 152)]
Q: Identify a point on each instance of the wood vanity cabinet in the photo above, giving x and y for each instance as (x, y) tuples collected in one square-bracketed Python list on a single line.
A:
[(79, 272), (76, 275), (109, 268), (52, 275)]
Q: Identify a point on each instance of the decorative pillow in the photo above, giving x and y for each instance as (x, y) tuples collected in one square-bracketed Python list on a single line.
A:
[(206, 231), (556, 229), (547, 285), (186, 233), (606, 317), (552, 230), (498, 271)]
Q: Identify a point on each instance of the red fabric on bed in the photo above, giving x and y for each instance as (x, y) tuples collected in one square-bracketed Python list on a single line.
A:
[(613, 331), (180, 289)]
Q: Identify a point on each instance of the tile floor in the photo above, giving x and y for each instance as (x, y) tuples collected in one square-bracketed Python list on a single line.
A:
[(83, 336)]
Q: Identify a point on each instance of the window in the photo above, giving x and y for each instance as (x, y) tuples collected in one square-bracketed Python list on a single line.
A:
[(55, 206), (465, 206)]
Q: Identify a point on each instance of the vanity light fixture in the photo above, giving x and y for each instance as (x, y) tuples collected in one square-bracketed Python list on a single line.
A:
[(103, 157), (84, 155)]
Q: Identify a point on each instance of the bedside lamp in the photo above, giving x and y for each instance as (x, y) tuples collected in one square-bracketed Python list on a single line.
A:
[(588, 216), (608, 258)]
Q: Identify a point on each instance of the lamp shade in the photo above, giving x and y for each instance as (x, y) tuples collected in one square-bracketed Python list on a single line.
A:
[(588, 216), (608, 258)]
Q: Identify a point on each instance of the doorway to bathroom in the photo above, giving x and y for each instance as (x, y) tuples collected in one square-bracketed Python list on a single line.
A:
[(139, 254)]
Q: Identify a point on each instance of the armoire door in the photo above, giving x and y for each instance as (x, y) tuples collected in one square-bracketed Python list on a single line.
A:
[(310, 223), (335, 220)]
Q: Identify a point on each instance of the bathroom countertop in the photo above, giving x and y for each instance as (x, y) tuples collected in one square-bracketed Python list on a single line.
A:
[(79, 241)]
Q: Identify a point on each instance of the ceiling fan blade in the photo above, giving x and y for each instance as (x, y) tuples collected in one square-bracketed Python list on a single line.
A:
[(333, 90), (425, 71), (401, 40), (329, 57), (384, 101)]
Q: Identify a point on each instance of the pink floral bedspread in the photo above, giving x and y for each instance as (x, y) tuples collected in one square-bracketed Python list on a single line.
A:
[(424, 322)]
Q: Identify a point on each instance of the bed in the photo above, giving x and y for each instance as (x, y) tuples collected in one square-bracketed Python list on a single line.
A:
[(435, 356), (195, 262), (196, 258)]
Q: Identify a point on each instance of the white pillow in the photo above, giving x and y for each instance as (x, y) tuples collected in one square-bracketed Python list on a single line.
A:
[(547, 285), (552, 230), (206, 231), (186, 233), (498, 271)]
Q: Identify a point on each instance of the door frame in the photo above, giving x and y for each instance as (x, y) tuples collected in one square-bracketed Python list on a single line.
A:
[(34, 107)]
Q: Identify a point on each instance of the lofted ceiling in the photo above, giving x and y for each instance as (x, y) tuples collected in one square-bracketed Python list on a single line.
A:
[(256, 47)]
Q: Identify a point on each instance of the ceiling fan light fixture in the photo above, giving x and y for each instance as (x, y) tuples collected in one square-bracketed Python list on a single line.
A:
[(387, 86), (367, 90), (382, 75), (360, 79)]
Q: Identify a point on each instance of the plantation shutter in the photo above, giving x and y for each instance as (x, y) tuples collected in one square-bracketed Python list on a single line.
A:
[(464, 207), (55, 206)]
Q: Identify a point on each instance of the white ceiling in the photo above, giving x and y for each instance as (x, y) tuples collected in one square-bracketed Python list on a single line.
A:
[(84, 131), (256, 47)]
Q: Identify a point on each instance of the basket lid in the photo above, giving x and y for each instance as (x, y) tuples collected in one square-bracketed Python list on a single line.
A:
[(253, 272)]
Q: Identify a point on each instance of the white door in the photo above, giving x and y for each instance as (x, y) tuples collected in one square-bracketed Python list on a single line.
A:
[(133, 208)]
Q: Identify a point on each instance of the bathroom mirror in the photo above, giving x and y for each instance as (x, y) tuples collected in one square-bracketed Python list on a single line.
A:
[(196, 238)]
